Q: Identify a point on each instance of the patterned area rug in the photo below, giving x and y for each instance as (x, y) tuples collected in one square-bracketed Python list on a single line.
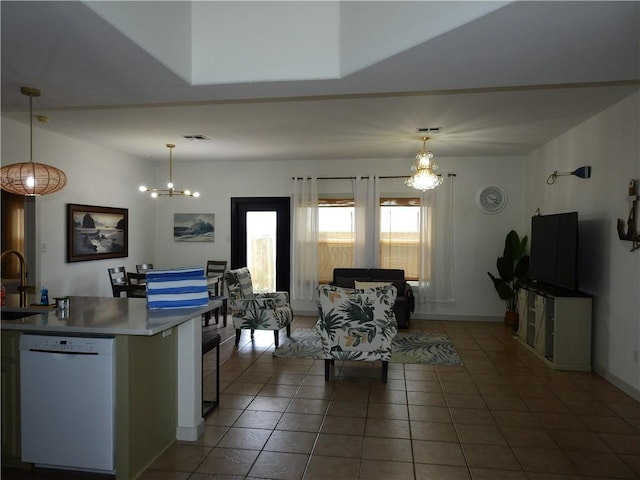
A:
[(431, 349)]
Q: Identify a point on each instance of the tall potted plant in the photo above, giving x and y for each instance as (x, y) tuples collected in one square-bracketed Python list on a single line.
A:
[(513, 269)]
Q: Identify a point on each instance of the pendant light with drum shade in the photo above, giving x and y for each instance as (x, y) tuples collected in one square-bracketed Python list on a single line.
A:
[(31, 178)]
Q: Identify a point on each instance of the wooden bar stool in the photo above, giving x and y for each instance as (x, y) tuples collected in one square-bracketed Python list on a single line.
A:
[(209, 342)]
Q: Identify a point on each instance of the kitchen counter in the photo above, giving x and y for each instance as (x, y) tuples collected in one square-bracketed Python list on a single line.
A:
[(158, 370), (100, 316)]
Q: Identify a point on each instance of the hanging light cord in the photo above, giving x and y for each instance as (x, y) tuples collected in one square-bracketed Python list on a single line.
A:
[(33, 167), (171, 147)]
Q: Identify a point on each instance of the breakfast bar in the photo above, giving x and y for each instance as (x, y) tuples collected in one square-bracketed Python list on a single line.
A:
[(157, 373)]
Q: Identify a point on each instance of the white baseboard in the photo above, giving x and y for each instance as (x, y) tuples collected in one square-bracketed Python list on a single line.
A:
[(425, 316), (456, 318), (190, 434), (630, 390)]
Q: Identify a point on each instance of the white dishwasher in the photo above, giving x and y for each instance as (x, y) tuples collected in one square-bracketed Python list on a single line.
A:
[(67, 400)]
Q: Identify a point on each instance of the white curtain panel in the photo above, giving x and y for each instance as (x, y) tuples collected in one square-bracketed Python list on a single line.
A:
[(435, 282), (366, 197), (305, 244)]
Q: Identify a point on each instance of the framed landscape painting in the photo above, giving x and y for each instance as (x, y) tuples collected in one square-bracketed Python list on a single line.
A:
[(193, 227), (95, 233)]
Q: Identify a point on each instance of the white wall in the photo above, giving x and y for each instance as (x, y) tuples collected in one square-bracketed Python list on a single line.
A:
[(479, 238), (95, 176), (609, 142), (98, 176)]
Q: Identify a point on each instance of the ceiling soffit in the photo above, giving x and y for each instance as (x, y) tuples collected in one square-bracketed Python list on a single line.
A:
[(213, 43)]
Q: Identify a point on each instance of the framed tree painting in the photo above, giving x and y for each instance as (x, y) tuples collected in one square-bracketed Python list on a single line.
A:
[(96, 233)]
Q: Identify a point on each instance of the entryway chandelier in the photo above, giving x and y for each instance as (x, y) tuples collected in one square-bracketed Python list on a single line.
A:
[(424, 176), (170, 191), (31, 178)]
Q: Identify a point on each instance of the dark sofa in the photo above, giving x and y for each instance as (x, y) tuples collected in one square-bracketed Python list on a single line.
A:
[(405, 302)]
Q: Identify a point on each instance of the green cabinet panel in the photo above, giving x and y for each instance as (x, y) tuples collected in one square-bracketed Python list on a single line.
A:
[(10, 392), (146, 401)]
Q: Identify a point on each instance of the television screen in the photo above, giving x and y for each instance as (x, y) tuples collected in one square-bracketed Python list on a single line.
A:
[(554, 250)]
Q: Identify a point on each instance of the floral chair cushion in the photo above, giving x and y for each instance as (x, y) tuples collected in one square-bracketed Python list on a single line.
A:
[(257, 311), (356, 324)]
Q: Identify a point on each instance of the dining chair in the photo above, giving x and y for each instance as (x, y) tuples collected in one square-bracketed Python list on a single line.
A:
[(137, 284), (118, 280), (217, 268), (143, 267), (140, 278)]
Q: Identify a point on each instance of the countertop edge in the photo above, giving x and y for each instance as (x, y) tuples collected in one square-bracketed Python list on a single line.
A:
[(148, 325)]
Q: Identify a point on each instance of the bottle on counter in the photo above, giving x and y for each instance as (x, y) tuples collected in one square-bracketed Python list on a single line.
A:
[(44, 297), (3, 295)]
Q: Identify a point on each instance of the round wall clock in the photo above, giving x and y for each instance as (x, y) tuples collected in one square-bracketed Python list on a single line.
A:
[(491, 199)]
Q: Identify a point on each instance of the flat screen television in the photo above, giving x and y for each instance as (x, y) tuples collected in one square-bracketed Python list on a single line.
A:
[(554, 250)]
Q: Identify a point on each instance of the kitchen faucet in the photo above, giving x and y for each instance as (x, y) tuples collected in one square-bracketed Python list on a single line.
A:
[(22, 289)]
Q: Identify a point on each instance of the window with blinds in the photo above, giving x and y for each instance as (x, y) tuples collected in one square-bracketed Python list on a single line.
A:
[(399, 235)]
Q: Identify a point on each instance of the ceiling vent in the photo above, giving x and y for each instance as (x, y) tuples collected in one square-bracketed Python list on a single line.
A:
[(195, 138), (427, 130)]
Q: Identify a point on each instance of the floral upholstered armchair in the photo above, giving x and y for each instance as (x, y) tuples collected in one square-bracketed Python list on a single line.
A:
[(356, 325), (256, 311)]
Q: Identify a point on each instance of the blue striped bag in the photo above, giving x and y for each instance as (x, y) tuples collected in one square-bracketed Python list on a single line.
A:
[(181, 287)]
